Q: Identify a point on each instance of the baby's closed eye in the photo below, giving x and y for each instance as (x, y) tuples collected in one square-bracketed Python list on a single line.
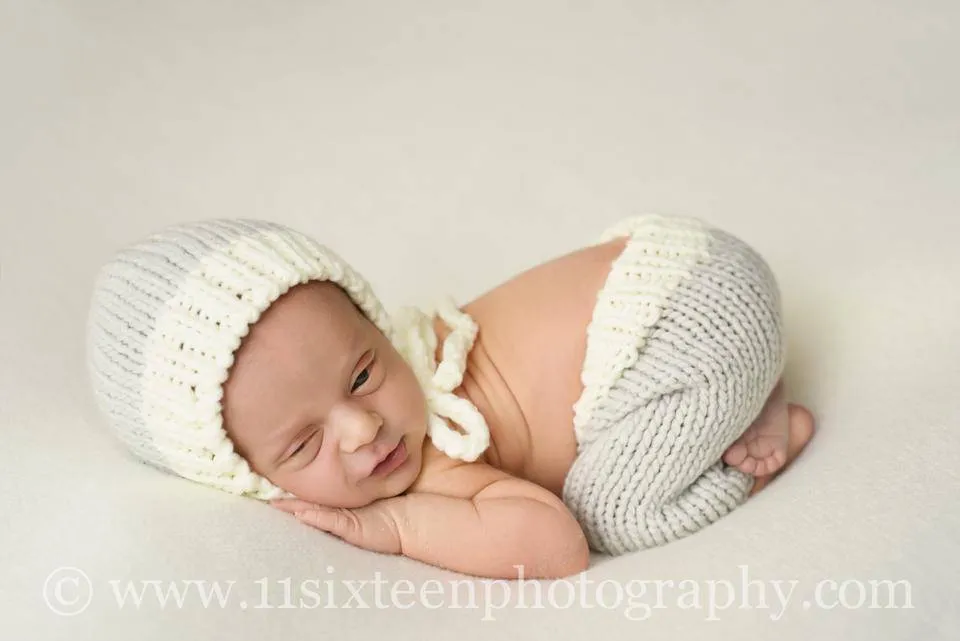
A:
[(314, 437)]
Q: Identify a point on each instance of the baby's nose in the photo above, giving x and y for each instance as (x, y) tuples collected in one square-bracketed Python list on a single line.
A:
[(358, 427)]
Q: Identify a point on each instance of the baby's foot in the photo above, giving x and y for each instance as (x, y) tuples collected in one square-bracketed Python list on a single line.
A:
[(762, 448), (801, 431)]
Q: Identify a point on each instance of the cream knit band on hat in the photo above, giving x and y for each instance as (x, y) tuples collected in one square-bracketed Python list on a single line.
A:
[(169, 312)]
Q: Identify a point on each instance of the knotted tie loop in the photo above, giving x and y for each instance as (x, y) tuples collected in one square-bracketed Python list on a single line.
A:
[(415, 339)]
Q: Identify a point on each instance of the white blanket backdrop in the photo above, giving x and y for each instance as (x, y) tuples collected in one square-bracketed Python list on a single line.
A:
[(442, 147)]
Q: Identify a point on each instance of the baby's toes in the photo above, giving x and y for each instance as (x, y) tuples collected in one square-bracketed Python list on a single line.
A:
[(771, 462), (739, 456), (735, 454), (748, 465)]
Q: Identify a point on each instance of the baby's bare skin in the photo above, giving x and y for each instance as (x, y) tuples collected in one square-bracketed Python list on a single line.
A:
[(524, 371), (523, 375)]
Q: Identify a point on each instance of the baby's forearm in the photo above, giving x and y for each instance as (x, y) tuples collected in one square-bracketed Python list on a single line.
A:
[(489, 537)]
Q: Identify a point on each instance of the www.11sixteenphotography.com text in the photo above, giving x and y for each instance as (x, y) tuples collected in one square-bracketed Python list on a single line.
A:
[(68, 591)]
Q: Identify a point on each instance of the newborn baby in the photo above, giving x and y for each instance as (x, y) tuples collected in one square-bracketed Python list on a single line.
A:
[(616, 398)]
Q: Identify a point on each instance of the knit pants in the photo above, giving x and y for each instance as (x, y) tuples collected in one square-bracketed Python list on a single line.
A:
[(684, 347)]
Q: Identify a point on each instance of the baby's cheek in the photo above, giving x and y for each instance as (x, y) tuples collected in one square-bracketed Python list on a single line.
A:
[(404, 389), (414, 400), (318, 482)]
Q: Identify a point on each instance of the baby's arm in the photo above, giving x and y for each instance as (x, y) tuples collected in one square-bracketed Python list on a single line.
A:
[(508, 522), (485, 523)]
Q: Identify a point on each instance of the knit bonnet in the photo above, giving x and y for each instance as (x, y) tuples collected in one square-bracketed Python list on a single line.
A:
[(169, 312)]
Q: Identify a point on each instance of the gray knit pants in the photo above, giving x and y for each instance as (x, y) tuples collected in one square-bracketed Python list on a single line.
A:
[(683, 350)]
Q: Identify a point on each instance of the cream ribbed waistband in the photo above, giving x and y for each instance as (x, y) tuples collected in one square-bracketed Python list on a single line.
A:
[(660, 253)]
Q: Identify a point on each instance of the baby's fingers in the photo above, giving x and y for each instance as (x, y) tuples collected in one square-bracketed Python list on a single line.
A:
[(342, 523), (368, 528), (338, 521), (293, 505), (334, 521)]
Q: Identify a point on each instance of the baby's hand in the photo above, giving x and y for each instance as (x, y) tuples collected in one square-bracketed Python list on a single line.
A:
[(372, 527)]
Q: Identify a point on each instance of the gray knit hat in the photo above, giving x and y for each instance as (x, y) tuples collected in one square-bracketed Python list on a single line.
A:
[(169, 312)]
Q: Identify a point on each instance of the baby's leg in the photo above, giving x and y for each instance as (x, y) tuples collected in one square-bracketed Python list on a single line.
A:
[(762, 448), (684, 349)]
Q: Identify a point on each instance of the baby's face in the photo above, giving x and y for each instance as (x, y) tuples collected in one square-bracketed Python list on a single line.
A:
[(317, 396)]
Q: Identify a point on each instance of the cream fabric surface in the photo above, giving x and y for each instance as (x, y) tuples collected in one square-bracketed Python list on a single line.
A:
[(489, 137)]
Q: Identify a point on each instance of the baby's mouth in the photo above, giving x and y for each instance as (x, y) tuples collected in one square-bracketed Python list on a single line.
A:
[(392, 460)]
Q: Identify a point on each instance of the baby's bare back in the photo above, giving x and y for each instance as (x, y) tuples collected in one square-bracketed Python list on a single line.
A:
[(524, 371)]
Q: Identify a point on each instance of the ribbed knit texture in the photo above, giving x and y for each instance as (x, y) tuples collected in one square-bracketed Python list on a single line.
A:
[(683, 349), (169, 312)]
